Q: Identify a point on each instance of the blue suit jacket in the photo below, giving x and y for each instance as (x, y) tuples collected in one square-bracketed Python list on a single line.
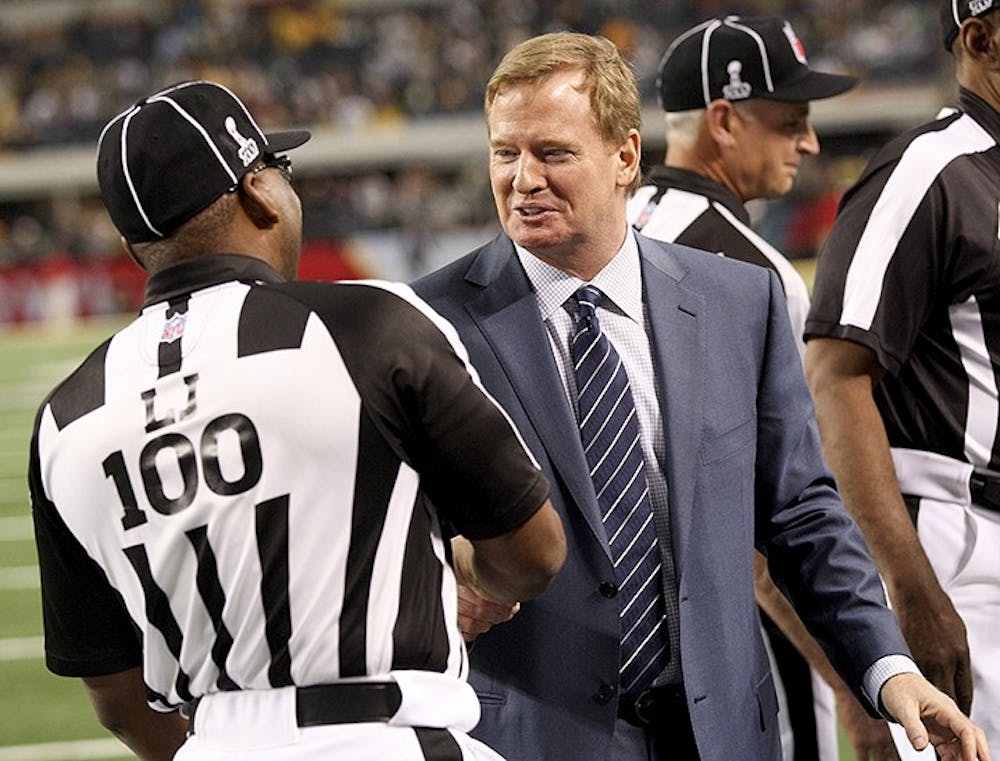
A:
[(743, 467)]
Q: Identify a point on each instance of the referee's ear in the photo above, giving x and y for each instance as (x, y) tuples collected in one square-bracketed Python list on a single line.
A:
[(257, 199), (978, 39)]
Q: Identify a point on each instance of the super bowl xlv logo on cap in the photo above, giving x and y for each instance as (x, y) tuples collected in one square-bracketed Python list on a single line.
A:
[(248, 150), (737, 89)]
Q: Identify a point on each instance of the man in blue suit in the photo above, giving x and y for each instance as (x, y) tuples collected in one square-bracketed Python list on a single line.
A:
[(661, 391)]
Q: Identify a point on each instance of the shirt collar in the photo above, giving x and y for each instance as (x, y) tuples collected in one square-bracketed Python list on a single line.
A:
[(620, 280), (666, 177), (190, 275), (981, 111)]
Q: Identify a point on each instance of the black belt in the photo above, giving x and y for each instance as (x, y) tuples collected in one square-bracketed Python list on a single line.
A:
[(346, 703), (984, 488), (663, 707)]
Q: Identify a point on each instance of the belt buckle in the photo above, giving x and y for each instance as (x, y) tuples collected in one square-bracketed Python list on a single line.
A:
[(985, 490)]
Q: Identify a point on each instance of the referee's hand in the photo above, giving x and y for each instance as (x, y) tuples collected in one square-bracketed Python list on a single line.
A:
[(477, 613)]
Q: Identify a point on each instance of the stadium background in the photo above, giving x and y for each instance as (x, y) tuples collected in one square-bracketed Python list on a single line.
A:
[(393, 183)]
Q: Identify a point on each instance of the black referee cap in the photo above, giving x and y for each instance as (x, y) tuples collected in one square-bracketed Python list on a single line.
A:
[(172, 154), (738, 57), (954, 12)]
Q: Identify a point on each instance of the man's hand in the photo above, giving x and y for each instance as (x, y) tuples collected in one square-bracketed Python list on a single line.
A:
[(119, 701), (477, 613), (870, 738), (930, 716)]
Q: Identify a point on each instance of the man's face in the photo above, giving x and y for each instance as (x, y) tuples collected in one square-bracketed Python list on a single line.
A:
[(560, 190), (772, 137)]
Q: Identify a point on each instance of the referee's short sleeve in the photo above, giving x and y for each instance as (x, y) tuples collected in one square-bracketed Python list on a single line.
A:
[(415, 382), (879, 274)]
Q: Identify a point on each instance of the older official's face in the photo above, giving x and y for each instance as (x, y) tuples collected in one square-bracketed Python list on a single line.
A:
[(772, 138), (558, 187)]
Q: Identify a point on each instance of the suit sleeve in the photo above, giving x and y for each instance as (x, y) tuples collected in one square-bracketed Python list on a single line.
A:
[(816, 553)]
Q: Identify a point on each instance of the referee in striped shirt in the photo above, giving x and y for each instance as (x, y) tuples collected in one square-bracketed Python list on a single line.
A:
[(239, 498), (903, 358)]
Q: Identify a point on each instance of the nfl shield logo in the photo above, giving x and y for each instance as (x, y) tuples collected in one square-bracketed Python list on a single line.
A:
[(173, 328), (797, 47)]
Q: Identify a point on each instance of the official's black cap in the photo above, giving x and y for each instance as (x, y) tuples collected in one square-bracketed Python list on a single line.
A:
[(172, 154), (737, 57), (954, 12)]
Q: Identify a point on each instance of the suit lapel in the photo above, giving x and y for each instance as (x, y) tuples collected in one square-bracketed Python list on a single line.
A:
[(507, 314), (678, 344)]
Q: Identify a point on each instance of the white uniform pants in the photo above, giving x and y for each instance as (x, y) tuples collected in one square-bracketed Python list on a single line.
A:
[(260, 725), (962, 542)]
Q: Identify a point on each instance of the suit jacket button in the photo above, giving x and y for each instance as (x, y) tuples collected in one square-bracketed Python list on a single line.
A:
[(605, 694), (608, 589)]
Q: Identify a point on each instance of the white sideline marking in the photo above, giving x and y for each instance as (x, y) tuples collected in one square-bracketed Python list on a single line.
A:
[(21, 648), (66, 751), (19, 578), (16, 529)]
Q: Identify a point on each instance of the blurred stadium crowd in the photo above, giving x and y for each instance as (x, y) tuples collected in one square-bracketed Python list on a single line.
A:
[(66, 67)]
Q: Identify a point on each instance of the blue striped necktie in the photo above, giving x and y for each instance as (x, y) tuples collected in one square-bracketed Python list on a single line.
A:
[(609, 430)]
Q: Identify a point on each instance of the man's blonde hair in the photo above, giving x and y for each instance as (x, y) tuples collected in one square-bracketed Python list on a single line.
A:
[(607, 78)]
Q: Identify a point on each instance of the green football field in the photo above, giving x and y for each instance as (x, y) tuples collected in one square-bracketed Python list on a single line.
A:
[(42, 717)]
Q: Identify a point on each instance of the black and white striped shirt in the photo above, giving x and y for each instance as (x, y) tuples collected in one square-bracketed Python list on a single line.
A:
[(912, 271), (233, 491)]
